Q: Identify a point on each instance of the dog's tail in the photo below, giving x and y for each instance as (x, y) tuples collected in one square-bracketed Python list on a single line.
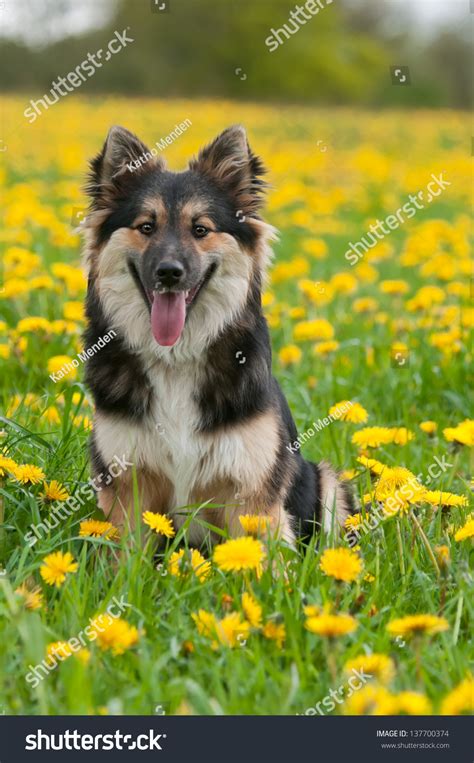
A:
[(318, 500)]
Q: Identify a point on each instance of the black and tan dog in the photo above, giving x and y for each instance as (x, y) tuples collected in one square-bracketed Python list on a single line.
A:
[(176, 263)]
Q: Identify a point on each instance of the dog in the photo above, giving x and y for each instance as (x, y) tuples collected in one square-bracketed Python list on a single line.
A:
[(176, 263)]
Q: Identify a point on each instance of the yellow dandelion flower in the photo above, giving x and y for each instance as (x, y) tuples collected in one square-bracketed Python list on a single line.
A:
[(252, 610), (205, 622), (83, 655), (378, 666), (341, 564), (232, 630), (267, 299), (7, 465), (463, 433), (159, 523), (319, 328), (428, 427), (372, 437), (353, 522), (365, 305), (348, 474), (393, 478), (255, 524), (330, 626), (345, 283), (275, 632), (369, 700), (440, 498), (114, 634), (240, 554), (56, 566), (290, 354), (5, 351), (324, 348), (181, 562), (33, 323), (51, 415), (460, 701), (29, 474), (376, 467), (94, 528), (414, 624), (442, 555), (58, 362), (401, 435), (466, 531), (73, 311), (297, 313), (54, 491), (313, 610), (346, 410), (411, 703), (394, 287), (33, 597), (58, 650), (316, 248)]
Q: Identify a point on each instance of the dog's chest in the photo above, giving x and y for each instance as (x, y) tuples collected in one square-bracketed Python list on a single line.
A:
[(168, 440)]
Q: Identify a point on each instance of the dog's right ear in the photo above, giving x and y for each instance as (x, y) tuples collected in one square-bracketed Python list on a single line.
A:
[(118, 157)]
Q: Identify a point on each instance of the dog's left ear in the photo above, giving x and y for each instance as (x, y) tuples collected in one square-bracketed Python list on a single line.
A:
[(232, 165)]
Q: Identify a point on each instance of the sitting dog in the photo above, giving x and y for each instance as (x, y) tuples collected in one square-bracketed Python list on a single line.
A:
[(176, 263)]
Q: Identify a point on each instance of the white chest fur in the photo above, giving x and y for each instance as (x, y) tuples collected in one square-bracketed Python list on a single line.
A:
[(169, 442)]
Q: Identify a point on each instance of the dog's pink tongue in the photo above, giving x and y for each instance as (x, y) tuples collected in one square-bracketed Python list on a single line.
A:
[(168, 313)]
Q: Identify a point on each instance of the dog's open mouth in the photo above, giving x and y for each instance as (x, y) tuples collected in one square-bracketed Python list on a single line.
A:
[(169, 309)]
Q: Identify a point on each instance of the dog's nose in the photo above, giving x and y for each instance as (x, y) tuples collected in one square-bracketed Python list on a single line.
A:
[(169, 272)]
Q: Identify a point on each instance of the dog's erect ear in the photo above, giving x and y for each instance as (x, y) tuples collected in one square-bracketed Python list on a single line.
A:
[(119, 156), (230, 163)]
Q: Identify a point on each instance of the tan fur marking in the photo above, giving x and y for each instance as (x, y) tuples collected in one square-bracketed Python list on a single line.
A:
[(117, 501)]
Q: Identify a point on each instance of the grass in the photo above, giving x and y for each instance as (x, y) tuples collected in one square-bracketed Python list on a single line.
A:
[(372, 163)]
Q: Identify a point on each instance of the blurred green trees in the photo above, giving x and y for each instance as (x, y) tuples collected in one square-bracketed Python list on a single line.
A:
[(217, 48)]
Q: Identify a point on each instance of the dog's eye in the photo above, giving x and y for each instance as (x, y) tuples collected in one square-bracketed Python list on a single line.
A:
[(200, 231), (146, 228)]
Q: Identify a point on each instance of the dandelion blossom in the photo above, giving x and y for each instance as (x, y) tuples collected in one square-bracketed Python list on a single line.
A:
[(159, 523), (240, 554), (341, 564), (252, 610), (56, 566), (330, 626), (181, 562), (415, 624), (93, 528)]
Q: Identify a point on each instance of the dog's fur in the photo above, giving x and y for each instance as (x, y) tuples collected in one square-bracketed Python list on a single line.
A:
[(203, 421)]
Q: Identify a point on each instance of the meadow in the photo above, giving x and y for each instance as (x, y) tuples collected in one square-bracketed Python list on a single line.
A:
[(262, 629)]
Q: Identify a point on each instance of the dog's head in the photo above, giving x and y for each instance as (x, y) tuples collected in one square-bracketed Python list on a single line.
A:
[(172, 254)]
